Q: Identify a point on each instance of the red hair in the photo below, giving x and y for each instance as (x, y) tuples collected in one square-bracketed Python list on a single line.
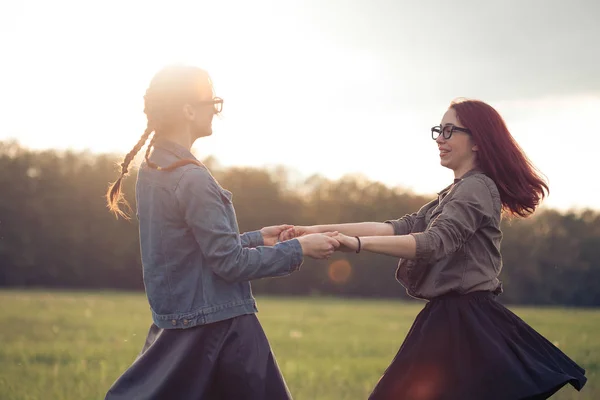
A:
[(500, 157)]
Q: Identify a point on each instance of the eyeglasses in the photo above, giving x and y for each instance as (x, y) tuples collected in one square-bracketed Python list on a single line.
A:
[(446, 131), (216, 102)]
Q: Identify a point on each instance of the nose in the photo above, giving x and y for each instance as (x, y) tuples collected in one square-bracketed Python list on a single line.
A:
[(440, 139)]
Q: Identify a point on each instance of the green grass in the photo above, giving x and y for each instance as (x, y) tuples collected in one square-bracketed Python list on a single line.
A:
[(73, 345)]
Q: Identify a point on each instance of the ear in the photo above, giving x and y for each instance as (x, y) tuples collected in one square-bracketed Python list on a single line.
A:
[(475, 148), (189, 112)]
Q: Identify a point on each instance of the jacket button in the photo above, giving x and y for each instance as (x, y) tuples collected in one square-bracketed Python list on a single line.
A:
[(185, 321), (174, 322)]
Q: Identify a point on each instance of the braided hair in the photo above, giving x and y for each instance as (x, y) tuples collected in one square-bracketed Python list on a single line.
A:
[(169, 90)]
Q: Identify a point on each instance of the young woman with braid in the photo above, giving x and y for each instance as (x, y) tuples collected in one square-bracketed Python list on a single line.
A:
[(205, 341), (464, 345)]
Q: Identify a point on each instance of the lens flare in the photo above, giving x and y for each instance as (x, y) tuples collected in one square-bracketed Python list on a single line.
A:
[(340, 271)]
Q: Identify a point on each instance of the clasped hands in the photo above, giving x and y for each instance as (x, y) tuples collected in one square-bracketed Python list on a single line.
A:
[(319, 245)]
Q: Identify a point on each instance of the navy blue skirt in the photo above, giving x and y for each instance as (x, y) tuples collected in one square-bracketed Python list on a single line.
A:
[(225, 360), (471, 347)]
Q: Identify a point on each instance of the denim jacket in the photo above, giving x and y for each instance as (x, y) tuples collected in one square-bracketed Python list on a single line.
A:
[(196, 265), (458, 240)]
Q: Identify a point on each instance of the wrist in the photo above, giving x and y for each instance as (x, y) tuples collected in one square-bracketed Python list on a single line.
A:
[(314, 229), (300, 240), (358, 249), (261, 238)]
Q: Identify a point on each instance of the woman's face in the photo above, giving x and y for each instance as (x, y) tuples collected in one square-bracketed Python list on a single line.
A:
[(459, 151), (200, 113), (178, 109)]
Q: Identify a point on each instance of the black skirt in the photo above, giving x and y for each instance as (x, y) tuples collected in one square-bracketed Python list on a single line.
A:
[(224, 360), (471, 347)]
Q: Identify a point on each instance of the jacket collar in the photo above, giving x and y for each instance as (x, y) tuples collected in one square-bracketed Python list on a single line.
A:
[(174, 148), (474, 171)]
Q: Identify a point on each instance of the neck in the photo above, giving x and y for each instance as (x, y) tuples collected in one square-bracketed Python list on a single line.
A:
[(181, 138), (459, 172)]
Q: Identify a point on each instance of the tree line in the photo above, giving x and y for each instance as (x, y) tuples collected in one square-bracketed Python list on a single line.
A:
[(55, 231)]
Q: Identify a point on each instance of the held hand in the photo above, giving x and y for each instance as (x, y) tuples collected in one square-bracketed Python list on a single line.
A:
[(287, 234), (319, 245), (347, 243), (295, 232), (271, 234)]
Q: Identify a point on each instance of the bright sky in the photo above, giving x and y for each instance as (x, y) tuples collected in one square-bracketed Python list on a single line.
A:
[(319, 86)]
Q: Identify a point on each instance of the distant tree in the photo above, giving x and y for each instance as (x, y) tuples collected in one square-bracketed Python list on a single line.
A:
[(55, 231)]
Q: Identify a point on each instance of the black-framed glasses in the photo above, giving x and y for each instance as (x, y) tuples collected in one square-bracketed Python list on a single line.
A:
[(216, 102), (446, 131)]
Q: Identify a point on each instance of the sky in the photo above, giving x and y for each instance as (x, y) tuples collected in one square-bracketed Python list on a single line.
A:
[(330, 87)]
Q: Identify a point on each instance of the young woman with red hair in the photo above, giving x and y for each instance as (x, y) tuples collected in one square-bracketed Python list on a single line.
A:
[(464, 344)]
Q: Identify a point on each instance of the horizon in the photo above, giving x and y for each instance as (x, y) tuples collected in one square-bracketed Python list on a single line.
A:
[(293, 175)]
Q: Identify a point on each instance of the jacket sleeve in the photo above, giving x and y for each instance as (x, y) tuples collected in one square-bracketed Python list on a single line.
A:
[(403, 225), (469, 208), (252, 239), (210, 215)]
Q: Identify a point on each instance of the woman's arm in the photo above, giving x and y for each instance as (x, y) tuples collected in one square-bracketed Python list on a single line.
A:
[(403, 246), (400, 226), (209, 214), (267, 236), (251, 239), (469, 207), (350, 229)]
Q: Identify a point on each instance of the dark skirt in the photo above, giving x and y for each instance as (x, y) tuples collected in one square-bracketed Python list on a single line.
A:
[(225, 360), (471, 347)]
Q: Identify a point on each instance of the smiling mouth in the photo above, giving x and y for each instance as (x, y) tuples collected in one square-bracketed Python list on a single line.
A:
[(443, 153)]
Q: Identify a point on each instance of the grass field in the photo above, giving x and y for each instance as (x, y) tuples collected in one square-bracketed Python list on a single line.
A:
[(71, 345)]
